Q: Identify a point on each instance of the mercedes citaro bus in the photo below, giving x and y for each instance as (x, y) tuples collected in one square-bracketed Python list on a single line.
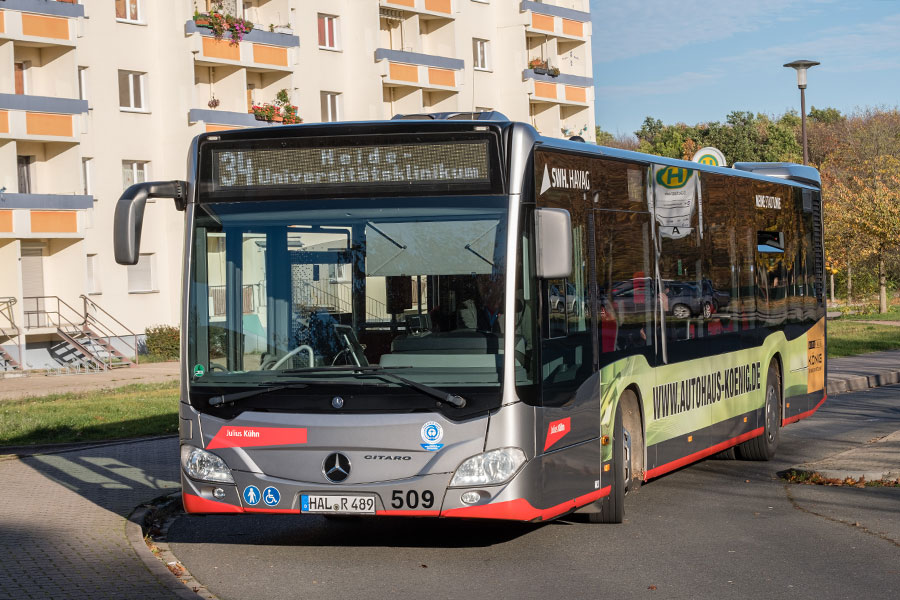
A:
[(453, 316)]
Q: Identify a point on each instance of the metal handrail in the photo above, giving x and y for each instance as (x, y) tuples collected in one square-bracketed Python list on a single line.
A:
[(103, 329), (6, 304)]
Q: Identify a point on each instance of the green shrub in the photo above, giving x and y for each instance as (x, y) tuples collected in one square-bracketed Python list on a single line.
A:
[(163, 341)]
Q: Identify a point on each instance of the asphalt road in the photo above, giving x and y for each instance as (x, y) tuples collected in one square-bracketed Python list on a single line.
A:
[(717, 529)]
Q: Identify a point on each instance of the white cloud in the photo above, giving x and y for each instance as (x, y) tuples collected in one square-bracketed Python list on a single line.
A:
[(629, 29), (673, 84)]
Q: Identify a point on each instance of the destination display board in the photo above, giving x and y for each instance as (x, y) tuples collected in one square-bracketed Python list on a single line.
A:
[(458, 162)]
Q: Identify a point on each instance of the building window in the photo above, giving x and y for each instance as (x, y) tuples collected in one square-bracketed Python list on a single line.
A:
[(128, 10), (86, 167), (82, 83), (131, 90), (141, 277), (331, 107), (481, 54), (328, 32), (134, 171), (23, 164), (93, 275)]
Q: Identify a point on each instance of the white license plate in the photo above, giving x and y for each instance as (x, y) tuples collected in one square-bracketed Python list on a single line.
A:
[(322, 503)]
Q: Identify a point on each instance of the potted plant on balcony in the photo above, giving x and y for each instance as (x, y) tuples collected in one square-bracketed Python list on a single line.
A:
[(221, 22), (283, 101), (267, 112), (539, 66), (553, 71)]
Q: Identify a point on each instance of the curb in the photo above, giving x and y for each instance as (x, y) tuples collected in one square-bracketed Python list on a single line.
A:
[(10, 452), (183, 586), (861, 382)]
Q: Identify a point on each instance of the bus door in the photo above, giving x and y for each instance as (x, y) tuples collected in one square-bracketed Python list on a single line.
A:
[(570, 393)]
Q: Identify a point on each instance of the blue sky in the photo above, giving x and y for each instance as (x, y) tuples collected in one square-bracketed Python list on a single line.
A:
[(691, 61)]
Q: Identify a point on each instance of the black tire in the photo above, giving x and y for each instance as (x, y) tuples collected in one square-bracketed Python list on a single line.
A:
[(763, 447), (681, 311), (707, 310), (612, 507)]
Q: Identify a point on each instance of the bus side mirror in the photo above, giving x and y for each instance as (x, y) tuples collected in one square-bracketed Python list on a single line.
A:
[(553, 243), (129, 217)]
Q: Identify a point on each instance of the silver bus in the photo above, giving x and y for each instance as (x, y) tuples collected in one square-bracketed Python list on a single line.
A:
[(453, 316)]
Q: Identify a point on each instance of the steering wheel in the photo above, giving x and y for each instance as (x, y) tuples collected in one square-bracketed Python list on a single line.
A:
[(272, 364), (217, 367)]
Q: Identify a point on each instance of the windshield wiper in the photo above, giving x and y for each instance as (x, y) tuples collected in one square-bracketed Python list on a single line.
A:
[(235, 396), (453, 400)]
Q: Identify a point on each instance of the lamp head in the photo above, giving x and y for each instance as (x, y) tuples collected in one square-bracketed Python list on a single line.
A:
[(801, 66)]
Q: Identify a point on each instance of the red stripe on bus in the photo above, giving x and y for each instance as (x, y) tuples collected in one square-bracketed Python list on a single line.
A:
[(521, 509), (199, 505), (409, 513), (803, 415), (677, 464), (231, 436)]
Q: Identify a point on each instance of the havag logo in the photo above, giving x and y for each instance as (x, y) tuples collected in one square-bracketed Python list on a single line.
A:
[(673, 177)]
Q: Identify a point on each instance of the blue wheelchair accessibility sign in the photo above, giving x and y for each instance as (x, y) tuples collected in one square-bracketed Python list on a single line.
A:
[(251, 495), (271, 496)]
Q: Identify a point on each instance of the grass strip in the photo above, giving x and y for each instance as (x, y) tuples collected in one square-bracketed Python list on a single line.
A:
[(130, 411), (848, 338)]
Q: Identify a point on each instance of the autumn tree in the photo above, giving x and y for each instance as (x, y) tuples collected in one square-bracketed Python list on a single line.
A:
[(862, 175)]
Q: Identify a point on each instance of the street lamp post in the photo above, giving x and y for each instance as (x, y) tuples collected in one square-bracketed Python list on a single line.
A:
[(801, 66)]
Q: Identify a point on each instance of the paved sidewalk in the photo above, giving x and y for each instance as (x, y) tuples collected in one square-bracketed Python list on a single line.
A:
[(853, 373), (62, 521), (41, 385)]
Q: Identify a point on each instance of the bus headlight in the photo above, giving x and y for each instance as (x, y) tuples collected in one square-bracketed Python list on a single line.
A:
[(204, 465), (489, 468)]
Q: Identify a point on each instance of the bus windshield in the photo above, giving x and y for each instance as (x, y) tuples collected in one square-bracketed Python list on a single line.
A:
[(285, 290)]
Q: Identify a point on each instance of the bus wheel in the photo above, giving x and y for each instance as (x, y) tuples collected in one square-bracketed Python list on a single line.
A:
[(763, 447), (612, 507)]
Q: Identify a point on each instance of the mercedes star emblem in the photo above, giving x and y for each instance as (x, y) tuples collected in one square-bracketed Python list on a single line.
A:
[(337, 402), (336, 467)]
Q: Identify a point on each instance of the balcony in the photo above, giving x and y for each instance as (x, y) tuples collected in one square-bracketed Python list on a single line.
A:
[(39, 23), (411, 69), (563, 89), (40, 118), (441, 9), (26, 216), (260, 50), (222, 120), (550, 20)]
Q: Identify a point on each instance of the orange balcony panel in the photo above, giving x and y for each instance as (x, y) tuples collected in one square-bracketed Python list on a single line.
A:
[(409, 3), (440, 6), (48, 27), (270, 55), (544, 89), (213, 48), (404, 73), (542, 22), (214, 128), (576, 94), (444, 77), (2, 23), (47, 124), (4, 121), (5, 221), (573, 28), (54, 221)]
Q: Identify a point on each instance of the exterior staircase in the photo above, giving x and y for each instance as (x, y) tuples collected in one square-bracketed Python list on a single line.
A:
[(9, 331), (90, 339)]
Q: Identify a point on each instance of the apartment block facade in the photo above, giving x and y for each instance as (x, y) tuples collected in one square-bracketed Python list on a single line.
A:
[(98, 94)]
